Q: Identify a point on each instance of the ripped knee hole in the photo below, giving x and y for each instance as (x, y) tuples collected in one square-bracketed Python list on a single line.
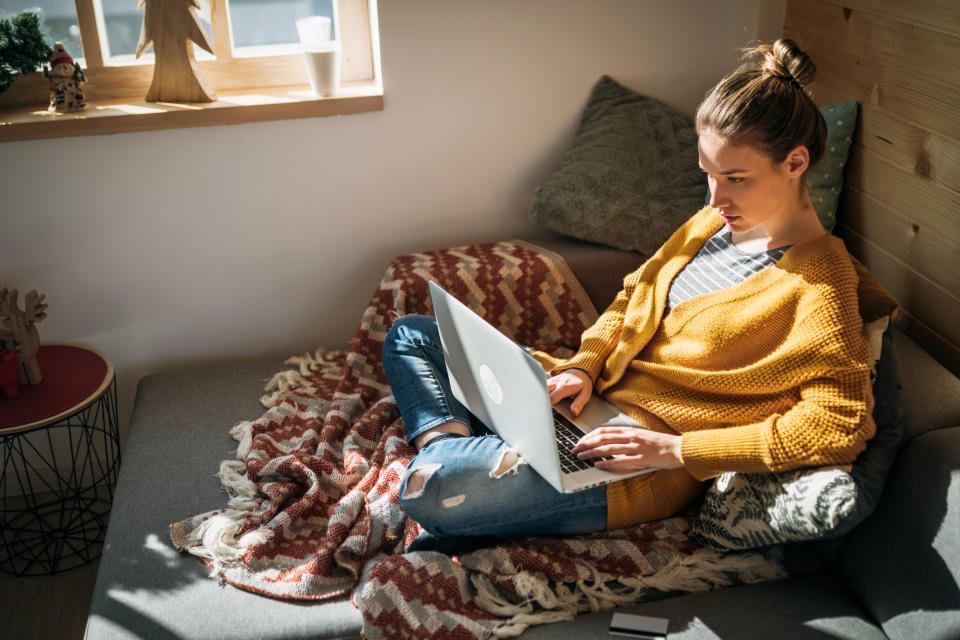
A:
[(508, 462), (417, 480)]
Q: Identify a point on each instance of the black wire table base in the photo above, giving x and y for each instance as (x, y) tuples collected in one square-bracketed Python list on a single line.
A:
[(56, 489)]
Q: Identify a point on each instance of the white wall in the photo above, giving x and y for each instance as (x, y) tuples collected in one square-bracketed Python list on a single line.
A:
[(187, 247)]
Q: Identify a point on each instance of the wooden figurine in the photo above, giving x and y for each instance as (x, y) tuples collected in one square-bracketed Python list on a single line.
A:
[(66, 81), (18, 327), (172, 26)]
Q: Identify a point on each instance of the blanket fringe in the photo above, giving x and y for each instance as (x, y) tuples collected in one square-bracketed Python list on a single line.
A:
[(216, 537), (242, 432), (702, 570)]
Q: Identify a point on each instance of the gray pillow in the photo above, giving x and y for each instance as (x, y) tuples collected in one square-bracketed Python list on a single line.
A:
[(631, 177), (748, 510)]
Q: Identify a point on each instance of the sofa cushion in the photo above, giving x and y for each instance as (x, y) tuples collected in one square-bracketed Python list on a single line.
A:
[(145, 589), (600, 269), (813, 606), (903, 562), (631, 177), (930, 390)]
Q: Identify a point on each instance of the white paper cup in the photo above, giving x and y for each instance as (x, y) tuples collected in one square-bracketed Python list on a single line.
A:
[(323, 67)]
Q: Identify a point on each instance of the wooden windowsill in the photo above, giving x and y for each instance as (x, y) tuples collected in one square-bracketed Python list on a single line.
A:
[(231, 107)]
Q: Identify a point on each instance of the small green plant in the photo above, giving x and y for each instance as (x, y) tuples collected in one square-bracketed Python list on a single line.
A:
[(22, 49)]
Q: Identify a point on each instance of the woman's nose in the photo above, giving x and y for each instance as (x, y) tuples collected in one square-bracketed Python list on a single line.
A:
[(714, 193), (717, 198)]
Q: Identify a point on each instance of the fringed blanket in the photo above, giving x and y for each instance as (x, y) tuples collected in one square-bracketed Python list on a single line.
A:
[(313, 510)]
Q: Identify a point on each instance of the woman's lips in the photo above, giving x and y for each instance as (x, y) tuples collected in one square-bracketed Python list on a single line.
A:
[(727, 217)]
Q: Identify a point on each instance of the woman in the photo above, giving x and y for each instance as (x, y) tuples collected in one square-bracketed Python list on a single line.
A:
[(739, 345)]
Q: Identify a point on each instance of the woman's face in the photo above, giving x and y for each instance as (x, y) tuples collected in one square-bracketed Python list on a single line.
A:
[(747, 187)]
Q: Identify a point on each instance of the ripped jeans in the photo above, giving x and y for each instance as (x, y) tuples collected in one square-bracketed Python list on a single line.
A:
[(470, 486)]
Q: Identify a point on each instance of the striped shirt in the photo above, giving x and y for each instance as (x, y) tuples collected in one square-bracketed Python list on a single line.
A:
[(718, 265)]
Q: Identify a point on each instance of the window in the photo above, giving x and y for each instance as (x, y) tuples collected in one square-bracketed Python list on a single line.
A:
[(255, 48), (58, 20)]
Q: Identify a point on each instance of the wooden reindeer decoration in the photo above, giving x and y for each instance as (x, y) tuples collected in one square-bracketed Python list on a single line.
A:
[(172, 27), (17, 326)]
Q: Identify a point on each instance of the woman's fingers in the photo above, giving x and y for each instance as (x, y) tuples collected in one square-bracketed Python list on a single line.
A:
[(580, 401), (567, 384), (559, 392), (613, 442), (635, 448), (603, 436)]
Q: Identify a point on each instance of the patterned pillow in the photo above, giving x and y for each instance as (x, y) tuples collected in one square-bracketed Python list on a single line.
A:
[(631, 177), (825, 180), (748, 510)]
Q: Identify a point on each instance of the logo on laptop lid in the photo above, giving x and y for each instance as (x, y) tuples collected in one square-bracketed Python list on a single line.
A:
[(490, 385)]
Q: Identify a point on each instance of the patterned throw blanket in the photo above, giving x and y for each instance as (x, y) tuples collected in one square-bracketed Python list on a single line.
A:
[(313, 510)]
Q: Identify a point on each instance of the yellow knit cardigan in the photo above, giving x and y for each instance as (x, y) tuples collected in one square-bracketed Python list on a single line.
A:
[(768, 375)]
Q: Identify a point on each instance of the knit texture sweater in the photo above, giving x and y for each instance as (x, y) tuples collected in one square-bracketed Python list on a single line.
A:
[(770, 374)]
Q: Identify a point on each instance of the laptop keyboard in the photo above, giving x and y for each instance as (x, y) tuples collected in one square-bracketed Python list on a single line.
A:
[(567, 436)]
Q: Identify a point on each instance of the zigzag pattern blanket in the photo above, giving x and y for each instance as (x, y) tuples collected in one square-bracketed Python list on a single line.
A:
[(314, 510)]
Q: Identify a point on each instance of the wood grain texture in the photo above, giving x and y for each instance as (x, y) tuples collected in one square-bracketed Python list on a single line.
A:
[(906, 192), (940, 15), (905, 236), (90, 21), (173, 27), (357, 61), (47, 606), (900, 208), (878, 39), (222, 31), (933, 304), (904, 144), (237, 107)]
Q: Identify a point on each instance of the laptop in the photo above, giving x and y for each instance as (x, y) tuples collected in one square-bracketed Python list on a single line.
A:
[(506, 388)]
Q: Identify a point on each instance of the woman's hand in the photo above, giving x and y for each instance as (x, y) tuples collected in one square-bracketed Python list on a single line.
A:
[(639, 449), (572, 382)]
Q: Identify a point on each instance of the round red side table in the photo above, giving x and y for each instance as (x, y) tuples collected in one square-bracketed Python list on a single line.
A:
[(60, 452)]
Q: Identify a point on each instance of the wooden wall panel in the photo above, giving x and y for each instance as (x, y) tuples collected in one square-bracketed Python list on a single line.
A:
[(932, 206), (940, 15), (937, 306), (930, 254), (900, 209), (909, 147), (924, 300), (878, 40), (924, 101)]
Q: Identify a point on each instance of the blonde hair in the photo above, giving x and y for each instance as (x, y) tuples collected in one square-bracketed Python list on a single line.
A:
[(765, 104)]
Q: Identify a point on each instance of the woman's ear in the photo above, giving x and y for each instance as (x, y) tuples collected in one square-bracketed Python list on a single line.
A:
[(798, 161)]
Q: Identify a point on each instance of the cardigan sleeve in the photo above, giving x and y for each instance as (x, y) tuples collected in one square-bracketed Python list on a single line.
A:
[(829, 424)]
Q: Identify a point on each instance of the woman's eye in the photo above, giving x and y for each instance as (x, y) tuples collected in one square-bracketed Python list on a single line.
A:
[(736, 180)]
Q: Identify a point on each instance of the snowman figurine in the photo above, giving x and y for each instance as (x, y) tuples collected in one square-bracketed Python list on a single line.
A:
[(66, 81)]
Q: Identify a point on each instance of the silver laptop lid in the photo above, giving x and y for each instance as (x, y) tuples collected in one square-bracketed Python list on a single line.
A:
[(501, 384)]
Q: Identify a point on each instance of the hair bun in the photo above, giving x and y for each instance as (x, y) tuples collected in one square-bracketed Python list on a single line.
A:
[(763, 103), (785, 60)]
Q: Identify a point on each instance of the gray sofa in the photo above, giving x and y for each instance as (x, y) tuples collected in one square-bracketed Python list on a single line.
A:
[(897, 575)]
